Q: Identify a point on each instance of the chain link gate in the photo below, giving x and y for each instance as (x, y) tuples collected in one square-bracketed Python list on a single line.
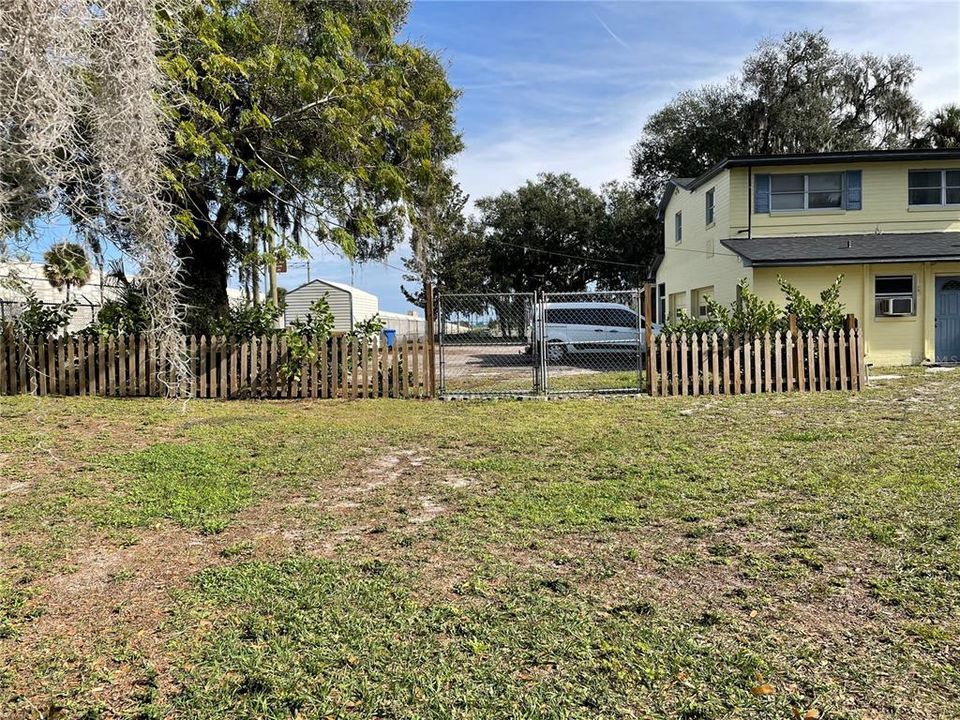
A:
[(540, 344), (485, 345), (593, 342)]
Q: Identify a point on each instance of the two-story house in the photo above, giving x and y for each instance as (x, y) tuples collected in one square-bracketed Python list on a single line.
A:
[(888, 221)]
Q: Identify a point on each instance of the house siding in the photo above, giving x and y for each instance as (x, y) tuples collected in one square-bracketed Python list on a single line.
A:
[(885, 207), (699, 260), (888, 341)]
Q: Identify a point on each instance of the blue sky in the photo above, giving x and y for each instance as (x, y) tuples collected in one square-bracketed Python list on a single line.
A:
[(567, 86)]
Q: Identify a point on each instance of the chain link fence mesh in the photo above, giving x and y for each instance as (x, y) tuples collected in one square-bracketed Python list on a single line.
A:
[(541, 343), (485, 345), (593, 342)]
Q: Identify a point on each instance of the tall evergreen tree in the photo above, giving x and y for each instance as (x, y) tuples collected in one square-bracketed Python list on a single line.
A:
[(798, 94), (303, 121)]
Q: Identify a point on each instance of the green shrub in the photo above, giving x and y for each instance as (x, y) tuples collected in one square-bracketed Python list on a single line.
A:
[(127, 313), (368, 329), (751, 315), (37, 318), (249, 320), (316, 325), (827, 315)]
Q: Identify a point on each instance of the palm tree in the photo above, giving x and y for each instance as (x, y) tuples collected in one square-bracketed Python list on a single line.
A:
[(942, 129), (65, 265)]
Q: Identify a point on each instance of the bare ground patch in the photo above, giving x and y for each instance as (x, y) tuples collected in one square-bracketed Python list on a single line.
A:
[(103, 612)]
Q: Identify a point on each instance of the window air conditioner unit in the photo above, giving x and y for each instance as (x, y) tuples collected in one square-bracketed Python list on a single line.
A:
[(895, 306)]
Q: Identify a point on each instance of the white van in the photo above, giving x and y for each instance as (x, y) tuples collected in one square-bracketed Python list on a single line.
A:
[(588, 327)]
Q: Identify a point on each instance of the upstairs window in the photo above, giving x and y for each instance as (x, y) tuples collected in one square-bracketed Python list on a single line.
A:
[(709, 208), (895, 295), (677, 228), (806, 192), (799, 192), (934, 187)]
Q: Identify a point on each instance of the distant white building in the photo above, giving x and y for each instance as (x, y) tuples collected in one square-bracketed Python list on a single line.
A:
[(407, 325), (31, 274), (89, 297), (348, 304)]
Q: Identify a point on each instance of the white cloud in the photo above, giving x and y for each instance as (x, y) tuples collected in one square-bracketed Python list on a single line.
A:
[(592, 138)]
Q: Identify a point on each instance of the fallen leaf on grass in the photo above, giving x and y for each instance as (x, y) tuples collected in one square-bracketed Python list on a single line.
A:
[(764, 689)]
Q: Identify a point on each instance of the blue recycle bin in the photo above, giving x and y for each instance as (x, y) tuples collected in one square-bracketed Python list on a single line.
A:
[(391, 336)]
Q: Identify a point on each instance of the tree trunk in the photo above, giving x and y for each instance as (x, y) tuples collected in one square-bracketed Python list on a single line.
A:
[(271, 254), (205, 268)]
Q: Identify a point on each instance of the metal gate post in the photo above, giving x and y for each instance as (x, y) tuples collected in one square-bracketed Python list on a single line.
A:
[(541, 378), (440, 323), (535, 348), (640, 338)]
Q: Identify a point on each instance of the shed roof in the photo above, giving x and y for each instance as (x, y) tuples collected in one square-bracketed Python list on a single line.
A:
[(847, 249), (353, 291)]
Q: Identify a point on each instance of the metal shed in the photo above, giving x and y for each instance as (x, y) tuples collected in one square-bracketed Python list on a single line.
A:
[(348, 304)]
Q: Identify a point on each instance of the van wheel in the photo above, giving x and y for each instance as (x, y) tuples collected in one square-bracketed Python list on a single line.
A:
[(556, 351)]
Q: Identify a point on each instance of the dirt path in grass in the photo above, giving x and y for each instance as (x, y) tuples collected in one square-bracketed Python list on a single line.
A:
[(102, 615)]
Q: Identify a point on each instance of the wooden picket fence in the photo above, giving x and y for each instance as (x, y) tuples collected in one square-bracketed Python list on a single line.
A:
[(222, 367), (746, 364)]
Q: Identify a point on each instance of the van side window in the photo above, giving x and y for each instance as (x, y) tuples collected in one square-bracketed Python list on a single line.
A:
[(623, 318)]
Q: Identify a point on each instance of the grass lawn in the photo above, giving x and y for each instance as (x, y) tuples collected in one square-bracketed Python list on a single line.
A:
[(755, 557)]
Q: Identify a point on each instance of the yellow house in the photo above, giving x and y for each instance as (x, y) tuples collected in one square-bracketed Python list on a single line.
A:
[(888, 221)]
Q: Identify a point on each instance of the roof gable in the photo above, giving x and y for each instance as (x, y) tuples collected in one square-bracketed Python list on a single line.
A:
[(672, 185)]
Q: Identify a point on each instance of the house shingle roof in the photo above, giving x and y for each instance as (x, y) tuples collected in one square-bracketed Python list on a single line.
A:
[(847, 249), (851, 157), (672, 184)]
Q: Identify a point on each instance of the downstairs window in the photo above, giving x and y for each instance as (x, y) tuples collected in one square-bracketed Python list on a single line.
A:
[(895, 295)]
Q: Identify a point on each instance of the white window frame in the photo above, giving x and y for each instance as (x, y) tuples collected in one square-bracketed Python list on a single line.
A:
[(888, 299), (675, 304), (710, 209), (698, 298), (806, 193), (943, 188), (678, 227)]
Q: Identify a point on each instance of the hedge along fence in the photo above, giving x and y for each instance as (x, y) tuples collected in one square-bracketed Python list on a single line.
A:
[(745, 364), (223, 367)]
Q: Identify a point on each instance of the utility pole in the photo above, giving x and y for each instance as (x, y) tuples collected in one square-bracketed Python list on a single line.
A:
[(254, 265), (271, 258)]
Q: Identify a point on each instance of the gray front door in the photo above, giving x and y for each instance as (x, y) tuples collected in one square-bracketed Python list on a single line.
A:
[(948, 320)]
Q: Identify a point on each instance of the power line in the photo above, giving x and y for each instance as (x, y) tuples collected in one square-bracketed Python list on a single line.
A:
[(567, 255), (607, 262)]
